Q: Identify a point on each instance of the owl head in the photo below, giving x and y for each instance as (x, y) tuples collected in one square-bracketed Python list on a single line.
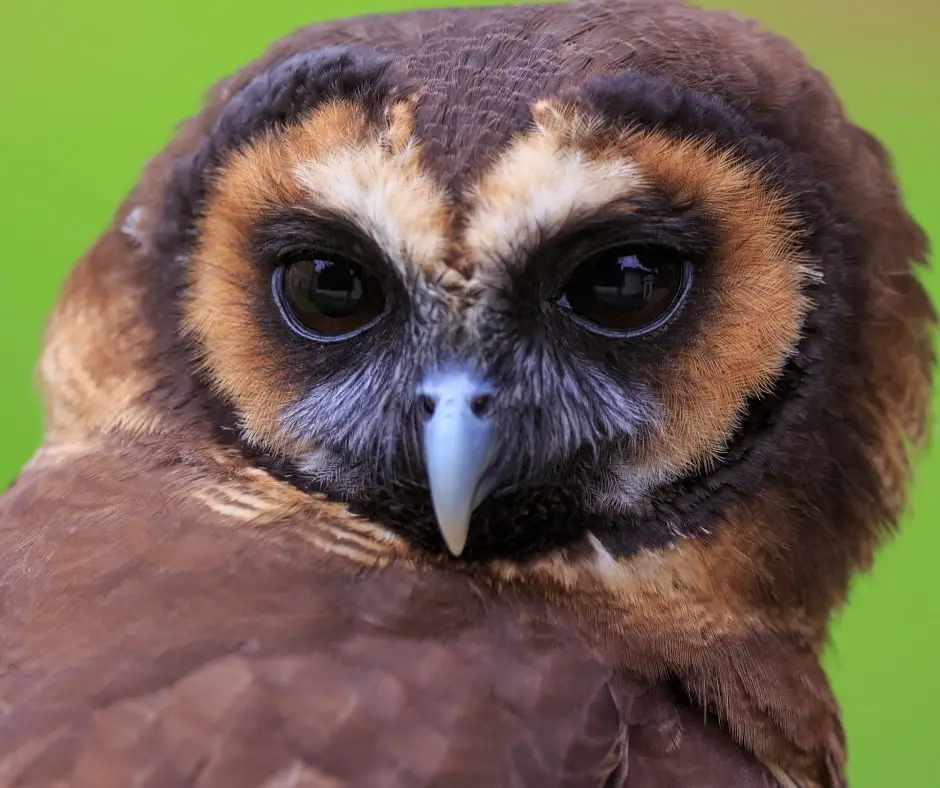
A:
[(593, 279)]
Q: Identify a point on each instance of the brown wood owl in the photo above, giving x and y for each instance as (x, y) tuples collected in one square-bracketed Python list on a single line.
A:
[(470, 398)]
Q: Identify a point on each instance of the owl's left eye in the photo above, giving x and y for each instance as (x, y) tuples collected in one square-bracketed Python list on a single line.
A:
[(628, 290), (326, 297)]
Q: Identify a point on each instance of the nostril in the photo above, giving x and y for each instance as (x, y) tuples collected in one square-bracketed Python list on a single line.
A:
[(427, 404), (481, 405)]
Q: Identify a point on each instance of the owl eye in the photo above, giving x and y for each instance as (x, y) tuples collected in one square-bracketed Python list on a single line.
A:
[(326, 297), (627, 290)]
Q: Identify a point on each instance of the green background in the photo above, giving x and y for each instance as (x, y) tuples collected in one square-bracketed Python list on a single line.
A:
[(91, 88)]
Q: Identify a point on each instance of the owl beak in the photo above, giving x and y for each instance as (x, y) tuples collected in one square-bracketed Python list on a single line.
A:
[(458, 449)]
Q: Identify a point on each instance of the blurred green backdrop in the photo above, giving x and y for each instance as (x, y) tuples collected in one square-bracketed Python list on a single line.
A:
[(91, 89)]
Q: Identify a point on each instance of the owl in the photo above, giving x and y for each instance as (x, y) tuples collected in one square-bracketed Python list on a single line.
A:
[(483, 397)]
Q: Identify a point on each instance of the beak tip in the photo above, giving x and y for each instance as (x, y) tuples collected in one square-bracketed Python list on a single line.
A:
[(455, 536)]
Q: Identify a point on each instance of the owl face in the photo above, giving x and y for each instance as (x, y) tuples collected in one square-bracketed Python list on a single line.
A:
[(502, 302)]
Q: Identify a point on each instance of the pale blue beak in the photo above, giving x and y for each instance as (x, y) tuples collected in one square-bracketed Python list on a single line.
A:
[(458, 449)]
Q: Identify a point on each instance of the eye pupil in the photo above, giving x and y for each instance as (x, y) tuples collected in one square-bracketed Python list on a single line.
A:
[(626, 290), (624, 283), (330, 297), (332, 289)]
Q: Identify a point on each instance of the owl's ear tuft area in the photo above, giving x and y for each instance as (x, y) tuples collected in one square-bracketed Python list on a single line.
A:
[(274, 100), (282, 95)]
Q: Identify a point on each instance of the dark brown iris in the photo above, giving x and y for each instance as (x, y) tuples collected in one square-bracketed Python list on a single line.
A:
[(330, 297), (626, 289)]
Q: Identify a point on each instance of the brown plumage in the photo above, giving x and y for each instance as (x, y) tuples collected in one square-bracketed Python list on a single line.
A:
[(223, 566)]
